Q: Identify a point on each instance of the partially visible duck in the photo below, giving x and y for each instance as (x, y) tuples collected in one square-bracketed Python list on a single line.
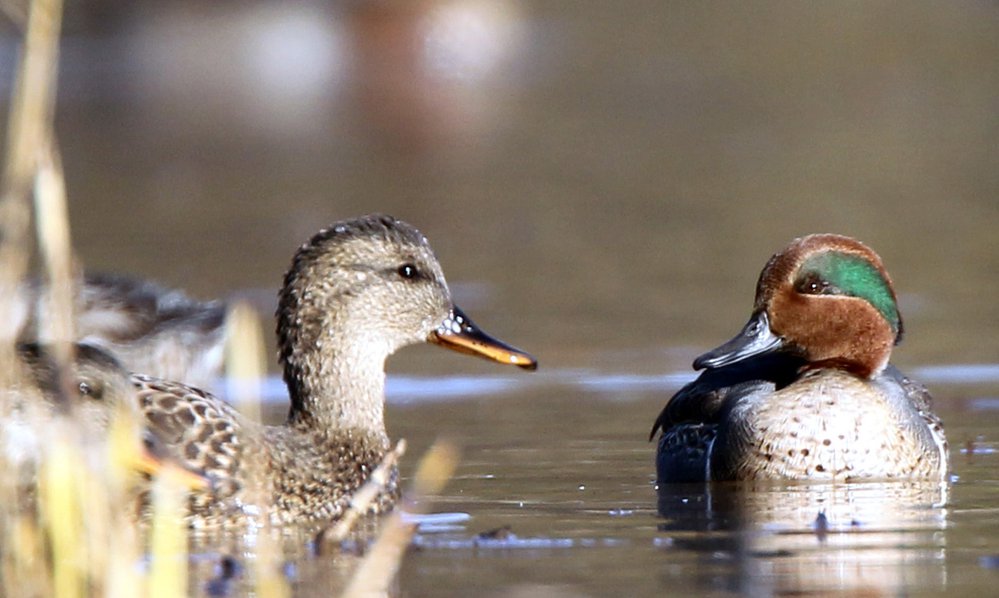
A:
[(355, 293), (148, 327), (97, 380), (93, 390), (805, 390)]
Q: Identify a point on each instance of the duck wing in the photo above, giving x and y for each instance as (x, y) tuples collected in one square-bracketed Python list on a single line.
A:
[(203, 431), (702, 401)]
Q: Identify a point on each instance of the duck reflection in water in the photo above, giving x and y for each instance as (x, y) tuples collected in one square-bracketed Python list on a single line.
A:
[(772, 537)]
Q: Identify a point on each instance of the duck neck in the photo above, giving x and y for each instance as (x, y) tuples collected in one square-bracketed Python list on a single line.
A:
[(334, 386)]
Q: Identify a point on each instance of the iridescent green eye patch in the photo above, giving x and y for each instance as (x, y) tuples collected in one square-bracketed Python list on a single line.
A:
[(852, 275)]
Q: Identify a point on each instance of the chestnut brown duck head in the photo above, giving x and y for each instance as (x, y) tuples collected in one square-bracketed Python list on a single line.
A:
[(826, 298)]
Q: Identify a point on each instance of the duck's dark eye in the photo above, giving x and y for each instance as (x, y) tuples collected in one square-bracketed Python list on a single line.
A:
[(85, 389), (408, 271), (813, 284)]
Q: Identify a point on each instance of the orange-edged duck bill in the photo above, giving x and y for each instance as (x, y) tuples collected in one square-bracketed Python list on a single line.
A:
[(459, 333)]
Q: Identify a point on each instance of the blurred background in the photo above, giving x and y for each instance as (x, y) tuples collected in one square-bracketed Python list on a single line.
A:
[(602, 181)]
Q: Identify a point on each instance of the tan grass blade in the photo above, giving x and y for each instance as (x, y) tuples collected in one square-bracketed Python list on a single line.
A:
[(28, 129), (169, 559), (376, 572), (246, 367), (365, 495)]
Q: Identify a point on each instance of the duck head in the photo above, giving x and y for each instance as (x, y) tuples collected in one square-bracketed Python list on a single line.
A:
[(826, 299), (94, 386), (97, 392), (357, 292)]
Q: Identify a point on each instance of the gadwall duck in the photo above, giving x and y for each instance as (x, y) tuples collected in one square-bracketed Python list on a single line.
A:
[(93, 390), (355, 293)]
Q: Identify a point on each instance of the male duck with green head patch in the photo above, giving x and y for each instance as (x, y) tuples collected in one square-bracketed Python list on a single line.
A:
[(805, 391)]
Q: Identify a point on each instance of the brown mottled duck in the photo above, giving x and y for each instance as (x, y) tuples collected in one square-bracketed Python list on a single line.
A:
[(355, 293)]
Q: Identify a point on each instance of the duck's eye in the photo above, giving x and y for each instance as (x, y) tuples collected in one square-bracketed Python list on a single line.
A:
[(93, 391), (408, 271), (813, 284)]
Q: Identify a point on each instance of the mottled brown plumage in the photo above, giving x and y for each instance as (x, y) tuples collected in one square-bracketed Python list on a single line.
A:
[(149, 328), (355, 293)]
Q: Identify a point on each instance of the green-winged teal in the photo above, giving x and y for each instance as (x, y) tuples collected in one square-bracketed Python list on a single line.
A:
[(805, 390), (355, 293)]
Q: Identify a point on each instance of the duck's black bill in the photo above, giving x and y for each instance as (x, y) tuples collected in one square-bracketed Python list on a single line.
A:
[(458, 333), (755, 338)]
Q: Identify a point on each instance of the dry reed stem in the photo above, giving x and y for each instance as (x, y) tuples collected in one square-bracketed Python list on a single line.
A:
[(25, 570), (106, 544), (365, 495), (246, 367), (76, 501), (60, 478), (378, 569), (80, 542), (33, 103), (124, 546), (245, 359), (26, 567), (29, 125), (169, 559), (55, 319), (99, 481)]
